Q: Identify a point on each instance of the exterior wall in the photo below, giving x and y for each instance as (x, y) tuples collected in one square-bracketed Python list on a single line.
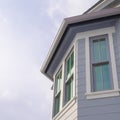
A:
[(79, 107), (117, 48), (100, 108)]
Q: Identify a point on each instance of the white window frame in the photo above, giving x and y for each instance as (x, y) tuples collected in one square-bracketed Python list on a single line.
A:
[(71, 74), (100, 62), (58, 92), (65, 106), (86, 35)]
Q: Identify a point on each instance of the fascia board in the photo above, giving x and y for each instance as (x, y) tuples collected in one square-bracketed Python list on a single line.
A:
[(93, 16)]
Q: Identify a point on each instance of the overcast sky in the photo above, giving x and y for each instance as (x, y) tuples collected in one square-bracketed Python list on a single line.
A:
[(27, 30)]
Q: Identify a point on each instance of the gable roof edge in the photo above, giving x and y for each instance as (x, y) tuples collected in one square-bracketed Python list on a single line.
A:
[(72, 20)]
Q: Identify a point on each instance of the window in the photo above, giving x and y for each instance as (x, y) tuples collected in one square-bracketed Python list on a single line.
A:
[(100, 64), (58, 79), (69, 76)]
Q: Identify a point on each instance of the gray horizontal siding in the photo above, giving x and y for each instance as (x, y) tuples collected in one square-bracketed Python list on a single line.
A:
[(97, 110), (113, 116), (116, 37), (103, 108)]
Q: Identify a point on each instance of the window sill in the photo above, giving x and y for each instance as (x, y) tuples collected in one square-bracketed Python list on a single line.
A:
[(65, 108), (103, 94)]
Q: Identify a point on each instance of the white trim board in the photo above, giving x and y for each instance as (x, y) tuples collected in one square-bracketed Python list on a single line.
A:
[(86, 35)]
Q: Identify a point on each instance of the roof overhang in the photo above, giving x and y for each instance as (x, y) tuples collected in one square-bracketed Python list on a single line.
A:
[(73, 20), (101, 4)]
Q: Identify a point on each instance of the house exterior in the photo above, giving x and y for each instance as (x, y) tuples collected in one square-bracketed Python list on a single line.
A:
[(84, 65)]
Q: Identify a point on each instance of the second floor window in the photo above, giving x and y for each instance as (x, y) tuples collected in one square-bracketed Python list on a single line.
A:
[(57, 98), (69, 76), (100, 64), (64, 83)]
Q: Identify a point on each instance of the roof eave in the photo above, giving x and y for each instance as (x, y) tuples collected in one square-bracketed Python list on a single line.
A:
[(72, 20), (95, 5), (53, 48)]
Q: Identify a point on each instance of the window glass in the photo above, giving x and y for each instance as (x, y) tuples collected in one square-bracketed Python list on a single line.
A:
[(57, 82), (57, 97), (101, 77), (69, 77), (100, 64), (57, 104), (69, 65), (69, 89), (99, 50)]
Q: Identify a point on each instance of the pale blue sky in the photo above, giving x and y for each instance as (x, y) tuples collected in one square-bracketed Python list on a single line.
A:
[(27, 30)]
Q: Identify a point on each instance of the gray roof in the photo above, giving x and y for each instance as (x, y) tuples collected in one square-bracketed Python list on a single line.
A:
[(70, 21)]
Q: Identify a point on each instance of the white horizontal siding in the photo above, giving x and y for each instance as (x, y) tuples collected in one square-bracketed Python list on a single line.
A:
[(69, 113)]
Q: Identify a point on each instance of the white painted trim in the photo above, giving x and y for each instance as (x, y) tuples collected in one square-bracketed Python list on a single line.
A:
[(76, 68), (87, 58), (113, 62), (101, 6), (95, 32), (63, 85), (64, 107), (85, 35), (68, 106), (102, 94), (61, 91)]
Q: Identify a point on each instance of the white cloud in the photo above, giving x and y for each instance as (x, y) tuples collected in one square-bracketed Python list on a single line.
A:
[(24, 92), (67, 8), (3, 19)]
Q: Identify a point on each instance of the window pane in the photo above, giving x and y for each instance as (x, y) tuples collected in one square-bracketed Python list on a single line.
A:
[(69, 77), (106, 77), (96, 51), (57, 104), (103, 52), (99, 50), (56, 86), (98, 85), (101, 77), (69, 89), (69, 64), (57, 82)]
